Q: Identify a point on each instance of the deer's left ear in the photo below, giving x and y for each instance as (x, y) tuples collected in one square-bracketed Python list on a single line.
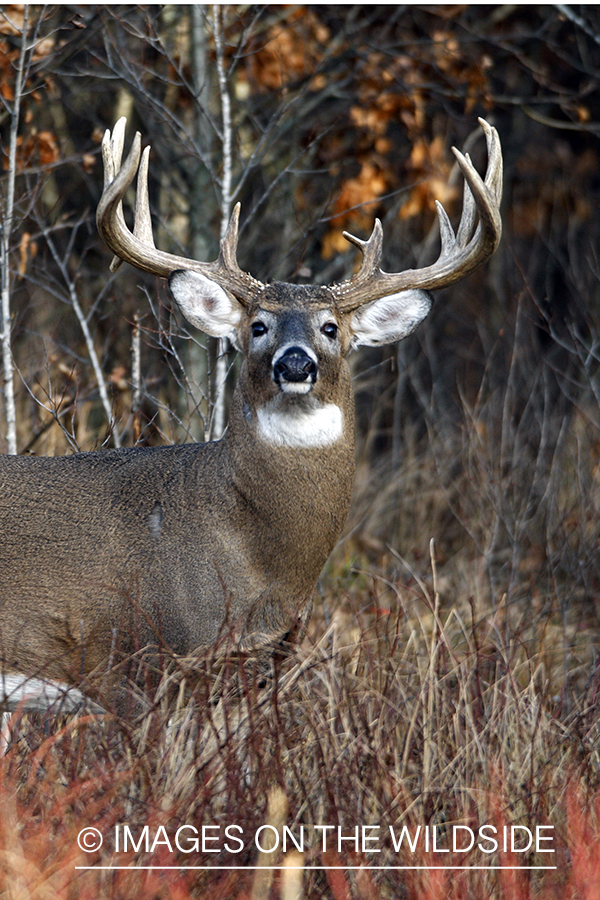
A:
[(390, 318)]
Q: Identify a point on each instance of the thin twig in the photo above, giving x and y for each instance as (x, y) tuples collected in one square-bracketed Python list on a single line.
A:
[(83, 322)]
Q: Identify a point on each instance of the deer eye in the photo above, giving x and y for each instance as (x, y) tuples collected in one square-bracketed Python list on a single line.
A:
[(330, 330), (258, 328)]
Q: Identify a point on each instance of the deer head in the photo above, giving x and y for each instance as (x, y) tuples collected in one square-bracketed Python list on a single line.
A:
[(372, 307)]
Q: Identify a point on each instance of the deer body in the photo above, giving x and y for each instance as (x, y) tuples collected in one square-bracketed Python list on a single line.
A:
[(110, 546), (120, 550), (172, 543)]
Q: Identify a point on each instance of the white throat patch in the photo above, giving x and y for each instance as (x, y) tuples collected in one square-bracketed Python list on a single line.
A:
[(317, 427)]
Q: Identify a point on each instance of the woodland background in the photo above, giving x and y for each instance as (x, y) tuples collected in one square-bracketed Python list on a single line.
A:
[(441, 678)]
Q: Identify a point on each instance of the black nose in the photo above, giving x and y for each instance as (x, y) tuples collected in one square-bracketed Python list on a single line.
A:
[(295, 365)]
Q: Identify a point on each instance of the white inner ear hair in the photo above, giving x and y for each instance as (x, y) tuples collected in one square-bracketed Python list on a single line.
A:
[(299, 427)]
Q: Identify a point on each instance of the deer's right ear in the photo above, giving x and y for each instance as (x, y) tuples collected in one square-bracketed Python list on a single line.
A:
[(205, 304)]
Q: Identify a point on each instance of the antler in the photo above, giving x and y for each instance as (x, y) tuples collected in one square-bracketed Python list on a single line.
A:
[(476, 239), (137, 246), (460, 253)]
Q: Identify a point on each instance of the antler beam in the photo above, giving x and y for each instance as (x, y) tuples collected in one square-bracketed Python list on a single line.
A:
[(137, 246), (474, 242)]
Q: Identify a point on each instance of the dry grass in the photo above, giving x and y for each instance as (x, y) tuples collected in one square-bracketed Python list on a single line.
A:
[(416, 713), (443, 684)]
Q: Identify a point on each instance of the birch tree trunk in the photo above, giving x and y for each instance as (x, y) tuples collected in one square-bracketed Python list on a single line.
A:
[(7, 227), (218, 418)]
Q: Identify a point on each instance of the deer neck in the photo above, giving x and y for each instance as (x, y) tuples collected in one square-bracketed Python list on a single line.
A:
[(293, 459), (294, 422)]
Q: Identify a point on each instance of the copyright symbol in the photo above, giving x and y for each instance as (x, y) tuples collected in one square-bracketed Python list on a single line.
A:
[(89, 839)]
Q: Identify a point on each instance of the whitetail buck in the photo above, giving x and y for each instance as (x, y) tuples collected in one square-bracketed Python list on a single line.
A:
[(122, 549)]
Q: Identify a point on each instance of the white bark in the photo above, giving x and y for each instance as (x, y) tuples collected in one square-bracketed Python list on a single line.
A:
[(218, 417), (6, 228)]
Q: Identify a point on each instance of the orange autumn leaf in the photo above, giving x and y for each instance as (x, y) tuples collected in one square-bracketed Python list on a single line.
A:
[(366, 187), (37, 148), (431, 165), (291, 51), (27, 251), (12, 17)]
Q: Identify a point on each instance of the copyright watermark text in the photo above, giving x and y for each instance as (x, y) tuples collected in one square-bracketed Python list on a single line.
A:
[(367, 839)]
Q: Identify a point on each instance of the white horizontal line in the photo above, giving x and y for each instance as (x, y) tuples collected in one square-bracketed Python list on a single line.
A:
[(313, 868)]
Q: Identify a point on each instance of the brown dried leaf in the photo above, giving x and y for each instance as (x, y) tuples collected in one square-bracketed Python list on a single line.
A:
[(39, 147), (48, 148), (431, 164), (7, 91), (292, 50), (27, 250), (12, 17), (44, 48), (369, 184), (333, 244)]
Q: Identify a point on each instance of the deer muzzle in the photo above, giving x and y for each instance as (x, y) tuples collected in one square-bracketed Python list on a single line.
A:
[(295, 370)]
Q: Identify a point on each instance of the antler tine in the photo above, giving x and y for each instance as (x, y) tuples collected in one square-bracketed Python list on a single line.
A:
[(228, 249), (476, 239), (142, 223), (493, 177), (227, 260), (468, 219), (493, 183), (112, 154), (448, 239), (371, 250), (112, 150), (137, 247)]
